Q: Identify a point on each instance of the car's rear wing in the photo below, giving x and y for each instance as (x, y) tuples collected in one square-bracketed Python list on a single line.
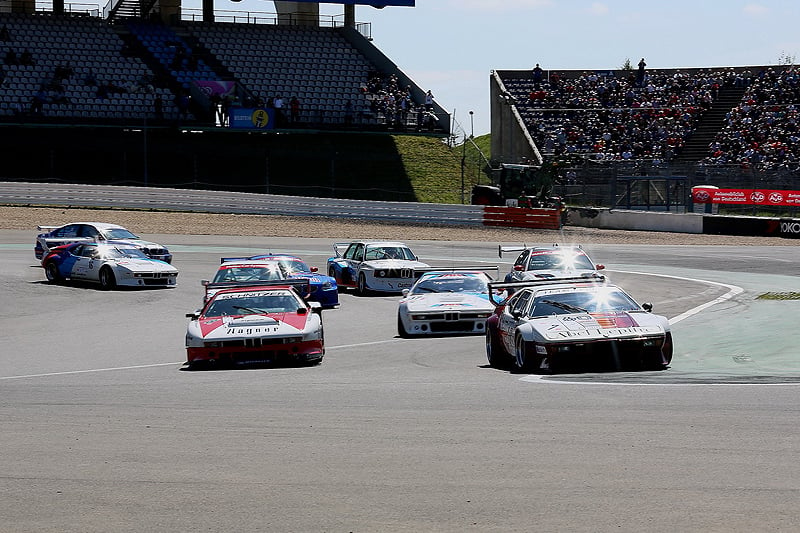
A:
[(505, 249), (458, 269), (47, 228), (302, 285), (340, 245), (501, 286)]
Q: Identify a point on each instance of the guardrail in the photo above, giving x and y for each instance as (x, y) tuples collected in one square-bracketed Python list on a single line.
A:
[(205, 201)]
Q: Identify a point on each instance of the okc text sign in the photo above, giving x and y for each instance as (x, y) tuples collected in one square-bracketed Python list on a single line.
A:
[(703, 195)]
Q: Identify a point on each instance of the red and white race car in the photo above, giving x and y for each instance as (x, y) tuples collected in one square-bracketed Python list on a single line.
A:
[(265, 322)]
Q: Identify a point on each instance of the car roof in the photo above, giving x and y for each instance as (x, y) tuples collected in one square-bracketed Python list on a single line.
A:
[(98, 225), (249, 263)]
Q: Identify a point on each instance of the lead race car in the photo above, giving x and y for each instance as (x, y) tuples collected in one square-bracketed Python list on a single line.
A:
[(260, 322), (109, 264), (53, 236), (446, 302), (575, 323), (379, 266)]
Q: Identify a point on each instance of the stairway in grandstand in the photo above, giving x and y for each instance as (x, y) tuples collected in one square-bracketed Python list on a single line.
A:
[(696, 147)]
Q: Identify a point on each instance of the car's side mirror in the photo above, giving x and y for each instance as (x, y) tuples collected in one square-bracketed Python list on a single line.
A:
[(302, 310), (516, 313), (647, 306), (204, 282), (599, 267), (518, 268), (405, 292), (193, 316), (314, 269)]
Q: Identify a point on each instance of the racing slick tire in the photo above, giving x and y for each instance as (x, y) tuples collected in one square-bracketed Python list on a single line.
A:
[(401, 329), (495, 353), (52, 274), (107, 279), (524, 360), (361, 288)]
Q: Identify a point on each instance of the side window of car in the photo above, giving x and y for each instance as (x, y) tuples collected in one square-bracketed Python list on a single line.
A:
[(77, 250), (70, 230), (521, 303), (87, 231), (521, 259), (359, 255), (351, 251)]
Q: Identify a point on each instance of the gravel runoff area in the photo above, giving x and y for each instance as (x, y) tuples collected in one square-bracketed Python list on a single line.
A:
[(160, 222)]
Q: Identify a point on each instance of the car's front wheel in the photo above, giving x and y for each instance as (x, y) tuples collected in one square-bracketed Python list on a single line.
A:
[(401, 329), (524, 359), (362, 285), (52, 273), (107, 279)]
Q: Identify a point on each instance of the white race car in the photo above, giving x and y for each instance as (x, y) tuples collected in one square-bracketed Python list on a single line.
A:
[(109, 264), (580, 323), (53, 236), (263, 322), (547, 262), (380, 266), (446, 302)]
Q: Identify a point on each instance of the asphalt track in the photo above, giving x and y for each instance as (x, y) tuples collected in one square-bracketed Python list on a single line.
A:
[(102, 430)]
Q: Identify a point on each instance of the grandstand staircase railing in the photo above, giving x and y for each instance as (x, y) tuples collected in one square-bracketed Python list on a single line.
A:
[(116, 9), (696, 147)]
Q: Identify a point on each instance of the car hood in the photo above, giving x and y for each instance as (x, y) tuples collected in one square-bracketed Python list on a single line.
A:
[(143, 265), (443, 301), (252, 326), (598, 326), (395, 263)]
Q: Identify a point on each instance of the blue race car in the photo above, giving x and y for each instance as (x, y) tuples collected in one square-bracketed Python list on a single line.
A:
[(323, 288)]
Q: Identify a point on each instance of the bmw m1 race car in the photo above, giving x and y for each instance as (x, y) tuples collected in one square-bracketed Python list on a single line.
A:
[(255, 323), (323, 288), (378, 266), (111, 264), (575, 323), (446, 302), (232, 272), (544, 262), (95, 232)]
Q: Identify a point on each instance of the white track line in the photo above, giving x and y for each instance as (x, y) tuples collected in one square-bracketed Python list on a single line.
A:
[(137, 367)]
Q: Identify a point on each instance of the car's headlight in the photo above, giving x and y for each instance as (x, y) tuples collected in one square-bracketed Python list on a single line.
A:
[(327, 286)]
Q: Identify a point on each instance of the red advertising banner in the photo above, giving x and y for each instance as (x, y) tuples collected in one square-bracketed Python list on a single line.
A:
[(712, 195)]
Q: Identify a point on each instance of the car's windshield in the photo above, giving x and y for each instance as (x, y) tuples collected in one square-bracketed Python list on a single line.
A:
[(119, 252), (232, 273), (293, 266), (594, 301), (559, 261), (263, 302), (449, 283), (118, 233), (388, 252)]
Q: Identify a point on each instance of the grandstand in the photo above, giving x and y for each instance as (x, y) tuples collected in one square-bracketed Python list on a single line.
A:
[(724, 126), (148, 96)]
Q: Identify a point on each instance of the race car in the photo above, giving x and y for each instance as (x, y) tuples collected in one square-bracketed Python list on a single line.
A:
[(110, 264), (379, 266), (323, 288), (548, 262), (95, 232), (253, 323), (574, 324), (232, 271), (446, 302)]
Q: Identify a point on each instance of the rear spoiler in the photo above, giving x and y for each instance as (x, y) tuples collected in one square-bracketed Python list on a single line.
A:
[(302, 286), (482, 268), (338, 245), (592, 279), (504, 249), (47, 228)]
